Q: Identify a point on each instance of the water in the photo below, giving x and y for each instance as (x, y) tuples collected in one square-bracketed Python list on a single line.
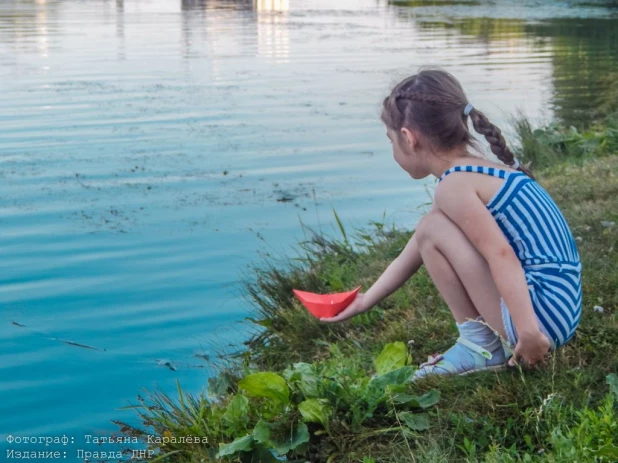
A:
[(150, 150)]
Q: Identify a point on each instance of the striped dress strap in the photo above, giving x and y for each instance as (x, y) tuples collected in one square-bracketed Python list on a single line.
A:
[(501, 173)]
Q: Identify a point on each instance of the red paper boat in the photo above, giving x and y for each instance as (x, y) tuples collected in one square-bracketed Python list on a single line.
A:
[(326, 305)]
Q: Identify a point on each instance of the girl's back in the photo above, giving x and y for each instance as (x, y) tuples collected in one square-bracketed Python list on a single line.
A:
[(529, 218)]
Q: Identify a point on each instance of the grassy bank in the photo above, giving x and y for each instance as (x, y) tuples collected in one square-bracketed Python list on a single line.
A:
[(341, 392)]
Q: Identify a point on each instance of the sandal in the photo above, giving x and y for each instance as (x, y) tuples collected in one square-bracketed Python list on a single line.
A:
[(463, 358)]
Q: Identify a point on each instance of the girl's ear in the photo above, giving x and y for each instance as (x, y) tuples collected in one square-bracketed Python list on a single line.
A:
[(410, 138)]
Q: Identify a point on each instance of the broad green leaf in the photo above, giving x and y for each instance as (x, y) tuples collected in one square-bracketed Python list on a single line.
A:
[(266, 384), (393, 356), (399, 376), (425, 401), (279, 436), (315, 411), (303, 374), (235, 415), (333, 390), (411, 400), (612, 380), (241, 444), (430, 398), (415, 421)]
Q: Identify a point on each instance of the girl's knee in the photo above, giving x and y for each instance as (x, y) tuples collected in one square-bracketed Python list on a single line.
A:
[(426, 231)]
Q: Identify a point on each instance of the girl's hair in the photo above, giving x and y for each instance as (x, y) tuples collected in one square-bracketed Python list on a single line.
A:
[(432, 102)]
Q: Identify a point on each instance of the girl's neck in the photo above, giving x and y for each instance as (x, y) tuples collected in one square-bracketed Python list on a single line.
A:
[(440, 164)]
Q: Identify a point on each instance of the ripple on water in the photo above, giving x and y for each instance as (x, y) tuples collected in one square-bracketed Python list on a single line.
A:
[(149, 149)]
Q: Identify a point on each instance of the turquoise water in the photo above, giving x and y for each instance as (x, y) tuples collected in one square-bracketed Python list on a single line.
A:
[(150, 150)]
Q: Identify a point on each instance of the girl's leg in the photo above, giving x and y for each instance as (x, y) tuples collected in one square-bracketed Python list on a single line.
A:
[(459, 271), (463, 279)]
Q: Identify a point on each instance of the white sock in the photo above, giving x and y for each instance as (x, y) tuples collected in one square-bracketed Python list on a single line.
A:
[(479, 333)]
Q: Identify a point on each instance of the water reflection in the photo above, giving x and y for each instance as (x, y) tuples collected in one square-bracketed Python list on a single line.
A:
[(272, 29), (216, 4), (120, 53), (582, 52), (144, 141)]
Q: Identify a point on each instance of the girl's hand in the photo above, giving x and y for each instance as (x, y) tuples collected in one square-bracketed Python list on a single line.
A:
[(531, 347), (357, 306)]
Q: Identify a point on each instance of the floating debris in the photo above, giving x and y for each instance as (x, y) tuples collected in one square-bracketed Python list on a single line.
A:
[(73, 343), (18, 324), (166, 363)]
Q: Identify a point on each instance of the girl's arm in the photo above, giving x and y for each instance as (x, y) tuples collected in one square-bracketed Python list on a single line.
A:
[(396, 274), (463, 206)]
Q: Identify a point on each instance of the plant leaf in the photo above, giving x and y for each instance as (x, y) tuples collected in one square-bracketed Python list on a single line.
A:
[(345, 237), (303, 374), (425, 401), (242, 443), (399, 376), (235, 415), (315, 411), (415, 421), (266, 384), (394, 355), (279, 437)]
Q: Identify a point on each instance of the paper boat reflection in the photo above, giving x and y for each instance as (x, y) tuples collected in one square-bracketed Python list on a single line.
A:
[(326, 305)]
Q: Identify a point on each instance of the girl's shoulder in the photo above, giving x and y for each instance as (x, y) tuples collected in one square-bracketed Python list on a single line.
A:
[(484, 180)]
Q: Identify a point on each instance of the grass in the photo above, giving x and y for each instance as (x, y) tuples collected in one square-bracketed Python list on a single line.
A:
[(555, 144), (339, 392)]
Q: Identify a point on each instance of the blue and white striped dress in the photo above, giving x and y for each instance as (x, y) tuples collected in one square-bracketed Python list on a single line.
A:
[(542, 240)]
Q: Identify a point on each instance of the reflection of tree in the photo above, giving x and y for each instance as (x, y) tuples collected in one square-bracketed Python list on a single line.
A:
[(187, 5), (583, 53), (430, 3), (486, 30)]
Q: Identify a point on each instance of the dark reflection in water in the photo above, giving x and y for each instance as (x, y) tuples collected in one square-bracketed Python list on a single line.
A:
[(584, 64), (583, 50), (188, 5)]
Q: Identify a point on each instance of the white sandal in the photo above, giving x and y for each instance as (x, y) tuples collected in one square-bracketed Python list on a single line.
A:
[(477, 358)]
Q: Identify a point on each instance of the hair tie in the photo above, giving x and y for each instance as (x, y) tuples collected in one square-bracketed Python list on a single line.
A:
[(515, 163), (467, 109)]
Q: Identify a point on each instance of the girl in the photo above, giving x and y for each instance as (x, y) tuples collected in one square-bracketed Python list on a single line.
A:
[(494, 243)]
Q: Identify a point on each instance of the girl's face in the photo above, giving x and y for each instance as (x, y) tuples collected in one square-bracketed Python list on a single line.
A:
[(406, 154)]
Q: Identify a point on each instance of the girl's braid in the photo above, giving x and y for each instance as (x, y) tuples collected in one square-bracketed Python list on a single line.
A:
[(496, 141)]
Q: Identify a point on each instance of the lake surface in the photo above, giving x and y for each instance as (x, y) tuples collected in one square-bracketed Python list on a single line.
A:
[(150, 150)]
